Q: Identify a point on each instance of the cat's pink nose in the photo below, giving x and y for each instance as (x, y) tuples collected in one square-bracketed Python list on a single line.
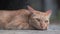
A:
[(42, 26)]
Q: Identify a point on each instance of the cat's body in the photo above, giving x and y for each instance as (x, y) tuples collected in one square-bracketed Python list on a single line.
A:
[(24, 19), (14, 19)]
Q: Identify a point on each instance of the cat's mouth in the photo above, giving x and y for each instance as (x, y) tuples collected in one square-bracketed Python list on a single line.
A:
[(40, 28)]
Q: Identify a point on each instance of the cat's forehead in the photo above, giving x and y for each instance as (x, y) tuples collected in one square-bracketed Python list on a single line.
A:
[(43, 17), (40, 15)]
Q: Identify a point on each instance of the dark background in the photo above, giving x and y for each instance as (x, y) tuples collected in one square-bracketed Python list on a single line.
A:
[(12, 4), (41, 5)]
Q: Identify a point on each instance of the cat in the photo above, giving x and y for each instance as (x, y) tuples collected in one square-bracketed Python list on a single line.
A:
[(39, 19), (24, 19)]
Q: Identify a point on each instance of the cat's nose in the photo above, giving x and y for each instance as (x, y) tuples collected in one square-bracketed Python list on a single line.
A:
[(42, 25)]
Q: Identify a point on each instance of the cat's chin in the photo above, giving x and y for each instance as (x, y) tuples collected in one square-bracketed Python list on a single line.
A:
[(41, 29)]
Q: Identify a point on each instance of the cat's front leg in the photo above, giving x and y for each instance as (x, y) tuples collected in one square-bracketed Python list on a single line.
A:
[(18, 22), (18, 26)]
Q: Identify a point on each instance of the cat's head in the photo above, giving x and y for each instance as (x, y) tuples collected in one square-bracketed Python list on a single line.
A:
[(38, 19)]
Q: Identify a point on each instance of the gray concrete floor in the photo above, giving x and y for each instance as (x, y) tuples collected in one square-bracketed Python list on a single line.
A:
[(28, 32), (54, 25)]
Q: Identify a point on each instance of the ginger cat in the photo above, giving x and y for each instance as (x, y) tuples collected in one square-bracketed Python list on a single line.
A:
[(24, 19), (38, 19)]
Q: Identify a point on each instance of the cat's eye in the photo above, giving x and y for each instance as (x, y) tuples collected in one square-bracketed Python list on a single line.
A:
[(37, 19), (46, 21)]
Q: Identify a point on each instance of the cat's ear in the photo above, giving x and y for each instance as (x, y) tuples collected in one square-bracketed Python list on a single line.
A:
[(48, 13), (30, 8)]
